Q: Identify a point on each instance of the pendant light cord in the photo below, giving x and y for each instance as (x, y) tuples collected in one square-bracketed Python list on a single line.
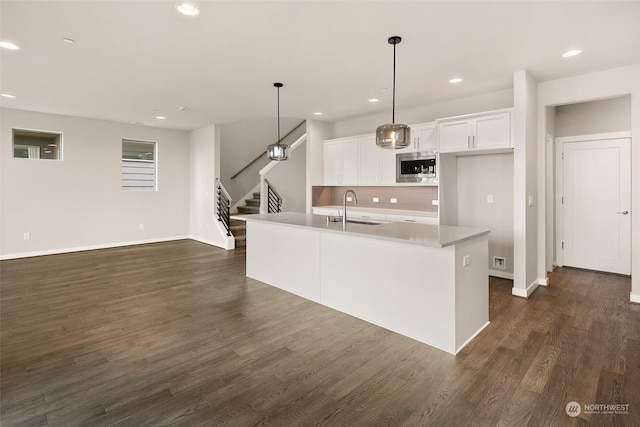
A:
[(278, 115), (393, 107)]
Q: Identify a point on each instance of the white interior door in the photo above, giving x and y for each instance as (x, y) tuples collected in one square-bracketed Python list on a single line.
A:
[(596, 214)]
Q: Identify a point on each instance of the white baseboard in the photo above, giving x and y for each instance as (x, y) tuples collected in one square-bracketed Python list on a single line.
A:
[(464, 344), (89, 248), (524, 293), (228, 244), (635, 298), (543, 281), (501, 274)]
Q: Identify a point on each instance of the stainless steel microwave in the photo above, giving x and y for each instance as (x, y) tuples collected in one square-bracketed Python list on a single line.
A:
[(417, 167)]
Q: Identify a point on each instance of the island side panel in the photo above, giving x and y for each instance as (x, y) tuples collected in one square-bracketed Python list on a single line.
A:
[(472, 289), (285, 257), (403, 287)]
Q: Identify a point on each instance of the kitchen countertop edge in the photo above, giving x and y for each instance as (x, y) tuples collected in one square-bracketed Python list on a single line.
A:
[(438, 236)]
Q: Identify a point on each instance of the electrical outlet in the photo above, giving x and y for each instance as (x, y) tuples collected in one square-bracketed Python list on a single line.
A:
[(500, 262), (141, 226), (489, 198), (466, 260), (435, 202), (393, 200), (27, 236), (376, 200), (530, 200), (349, 199)]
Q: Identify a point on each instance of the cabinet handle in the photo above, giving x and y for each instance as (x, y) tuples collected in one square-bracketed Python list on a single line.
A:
[(469, 141), (409, 220), (474, 141)]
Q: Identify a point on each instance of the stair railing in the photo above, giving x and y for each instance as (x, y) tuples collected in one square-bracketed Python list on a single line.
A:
[(274, 201), (224, 206), (264, 152)]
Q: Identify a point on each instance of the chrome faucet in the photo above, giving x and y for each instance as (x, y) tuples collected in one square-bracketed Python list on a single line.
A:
[(344, 205)]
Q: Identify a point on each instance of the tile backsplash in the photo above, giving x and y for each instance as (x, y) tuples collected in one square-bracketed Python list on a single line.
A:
[(418, 198)]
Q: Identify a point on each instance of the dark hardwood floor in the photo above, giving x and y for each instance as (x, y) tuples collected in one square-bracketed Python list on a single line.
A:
[(175, 334)]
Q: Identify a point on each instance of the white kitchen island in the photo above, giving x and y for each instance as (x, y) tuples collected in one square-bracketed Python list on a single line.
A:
[(426, 282)]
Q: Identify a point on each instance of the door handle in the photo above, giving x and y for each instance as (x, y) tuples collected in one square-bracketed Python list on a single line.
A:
[(623, 212)]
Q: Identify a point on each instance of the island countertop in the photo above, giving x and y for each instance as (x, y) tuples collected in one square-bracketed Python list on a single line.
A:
[(438, 236)]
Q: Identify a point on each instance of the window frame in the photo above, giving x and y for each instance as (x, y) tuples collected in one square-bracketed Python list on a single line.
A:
[(154, 161), (59, 139)]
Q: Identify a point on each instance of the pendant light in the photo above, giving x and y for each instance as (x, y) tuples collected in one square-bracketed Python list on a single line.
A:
[(278, 151), (393, 135)]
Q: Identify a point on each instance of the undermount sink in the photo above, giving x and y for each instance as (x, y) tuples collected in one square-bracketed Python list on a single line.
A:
[(367, 221), (357, 220)]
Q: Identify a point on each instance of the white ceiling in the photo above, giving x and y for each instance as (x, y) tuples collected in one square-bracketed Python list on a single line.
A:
[(134, 60)]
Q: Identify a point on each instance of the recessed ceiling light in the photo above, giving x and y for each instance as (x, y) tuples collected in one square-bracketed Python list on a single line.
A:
[(9, 45), (374, 100), (455, 80), (187, 8), (68, 40), (7, 95), (317, 113), (182, 108), (572, 52), (160, 117)]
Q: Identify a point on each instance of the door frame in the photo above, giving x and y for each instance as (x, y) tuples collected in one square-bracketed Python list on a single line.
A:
[(559, 169)]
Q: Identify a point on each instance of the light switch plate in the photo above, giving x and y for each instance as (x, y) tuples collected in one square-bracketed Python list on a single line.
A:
[(376, 200), (394, 200)]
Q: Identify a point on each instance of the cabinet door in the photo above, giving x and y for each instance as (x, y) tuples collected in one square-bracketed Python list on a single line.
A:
[(454, 135), (350, 162), (492, 131), (332, 163), (425, 137), (388, 166), (370, 161)]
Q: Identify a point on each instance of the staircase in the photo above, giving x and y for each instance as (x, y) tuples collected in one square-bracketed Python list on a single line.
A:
[(239, 228), (239, 231), (252, 206)]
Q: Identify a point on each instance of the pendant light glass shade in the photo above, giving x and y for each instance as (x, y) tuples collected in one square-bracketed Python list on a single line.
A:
[(393, 135), (278, 151)]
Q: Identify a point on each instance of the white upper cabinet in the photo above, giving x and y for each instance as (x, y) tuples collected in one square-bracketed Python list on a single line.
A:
[(332, 162), (370, 167), (424, 137), (475, 133), (341, 161), (350, 161)]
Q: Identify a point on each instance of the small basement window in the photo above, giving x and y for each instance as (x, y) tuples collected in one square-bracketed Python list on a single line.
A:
[(36, 144), (138, 165)]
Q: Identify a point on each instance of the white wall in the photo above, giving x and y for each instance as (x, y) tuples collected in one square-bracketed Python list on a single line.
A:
[(601, 116), (594, 86), (289, 180), (316, 133), (243, 141), (525, 178), (425, 113), (478, 177), (203, 168), (78, 203)]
